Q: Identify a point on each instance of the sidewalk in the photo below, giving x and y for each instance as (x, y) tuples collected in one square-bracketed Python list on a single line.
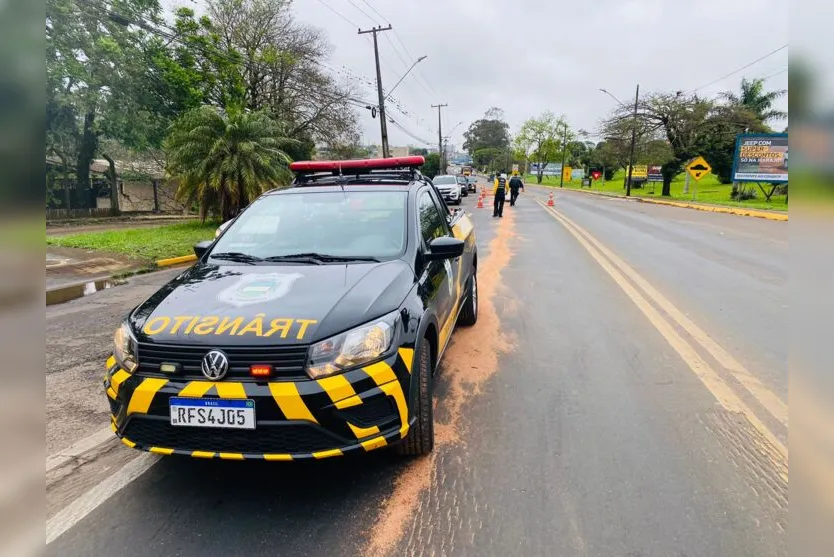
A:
[(66, 266), (768, 214)]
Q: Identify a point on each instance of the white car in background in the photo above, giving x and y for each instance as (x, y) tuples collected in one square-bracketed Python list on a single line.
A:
[(448, 187)]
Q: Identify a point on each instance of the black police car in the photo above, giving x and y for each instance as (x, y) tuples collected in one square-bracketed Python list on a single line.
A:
[(309, 328)]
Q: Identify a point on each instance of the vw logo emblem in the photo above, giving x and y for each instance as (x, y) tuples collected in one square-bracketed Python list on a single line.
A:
[(215, 365)]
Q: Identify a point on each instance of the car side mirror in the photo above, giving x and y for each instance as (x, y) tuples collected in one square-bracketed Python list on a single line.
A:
[(200, 248), (444, 247)]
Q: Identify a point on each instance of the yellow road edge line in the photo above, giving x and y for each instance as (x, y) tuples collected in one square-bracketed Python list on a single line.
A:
[(328, 454), (766, 397), (278, 457), (160, 450), (711, 380), (699, 207)]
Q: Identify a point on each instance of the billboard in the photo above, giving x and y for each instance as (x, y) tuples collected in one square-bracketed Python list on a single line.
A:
[(552, 169), (655, 174), (761, 157), (640, 172)]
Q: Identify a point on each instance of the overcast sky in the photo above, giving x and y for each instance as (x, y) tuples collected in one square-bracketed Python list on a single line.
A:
[(527, 56)]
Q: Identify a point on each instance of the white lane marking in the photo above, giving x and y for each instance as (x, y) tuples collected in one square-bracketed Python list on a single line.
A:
[(77, 449), (73, 513)]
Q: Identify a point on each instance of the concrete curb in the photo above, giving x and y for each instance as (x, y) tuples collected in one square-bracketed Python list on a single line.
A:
[(176, 260), (697, 206)]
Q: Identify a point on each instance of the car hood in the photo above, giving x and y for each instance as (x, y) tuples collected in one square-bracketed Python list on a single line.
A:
[(235, 305)]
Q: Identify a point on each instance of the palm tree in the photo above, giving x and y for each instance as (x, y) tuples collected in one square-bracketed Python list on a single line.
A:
[(754, 99), (224, 159)]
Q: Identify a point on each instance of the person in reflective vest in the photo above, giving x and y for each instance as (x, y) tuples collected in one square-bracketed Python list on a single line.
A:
[(515, 184), (499, 192)]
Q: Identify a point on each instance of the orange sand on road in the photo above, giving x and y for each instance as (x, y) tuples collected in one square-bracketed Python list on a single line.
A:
[(469, 362)]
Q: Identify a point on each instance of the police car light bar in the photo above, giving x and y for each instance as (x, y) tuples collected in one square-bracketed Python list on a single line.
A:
[(350, 166)]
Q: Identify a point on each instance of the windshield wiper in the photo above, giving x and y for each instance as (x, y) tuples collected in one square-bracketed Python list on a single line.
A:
[(318, 257), (237, 257)]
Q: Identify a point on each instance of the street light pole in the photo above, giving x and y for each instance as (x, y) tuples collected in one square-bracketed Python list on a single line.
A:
[(633, 142), (420, 59)]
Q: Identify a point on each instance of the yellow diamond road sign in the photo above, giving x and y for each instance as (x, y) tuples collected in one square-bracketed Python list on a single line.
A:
[(699, 168)]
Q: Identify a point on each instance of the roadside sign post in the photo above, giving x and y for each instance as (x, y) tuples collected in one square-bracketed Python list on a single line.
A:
[(698, 168)]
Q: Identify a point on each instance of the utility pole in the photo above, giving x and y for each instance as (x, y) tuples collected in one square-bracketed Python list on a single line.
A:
[(440, 136), (383, 123), (633, 141), (564, 154)]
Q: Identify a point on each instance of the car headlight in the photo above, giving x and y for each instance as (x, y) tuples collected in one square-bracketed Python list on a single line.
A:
[(124, 348), (352, 348)]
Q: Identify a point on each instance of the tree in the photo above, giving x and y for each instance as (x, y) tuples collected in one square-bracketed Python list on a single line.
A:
[(280, 68), (431, 167), (491, 131), (418, 151), (222, 160), (97, 79), (753, 98), (682, 120), (543, 138)]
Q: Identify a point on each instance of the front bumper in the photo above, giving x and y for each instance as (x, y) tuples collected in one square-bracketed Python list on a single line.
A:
[(450, 195), (358, 411)]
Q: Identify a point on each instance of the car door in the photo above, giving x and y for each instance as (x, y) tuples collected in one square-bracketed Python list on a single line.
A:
[(438, 280)]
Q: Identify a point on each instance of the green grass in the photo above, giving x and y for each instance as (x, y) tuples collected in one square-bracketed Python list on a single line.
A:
[(707, 190), (144, 243)]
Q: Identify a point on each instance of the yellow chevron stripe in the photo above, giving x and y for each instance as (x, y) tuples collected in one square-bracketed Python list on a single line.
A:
[(143, 395), (290, 402), (407, 356), (328, 454), (160, 450), (231, 390), (113, 426), (284, 457), (381, 373), (196, 389), (111, 361), (111, 393), (337, 387), (349, 402), (202, 454), (374, 443), (395, 390), (231, 456), (128, 442), (362, 432), (118, 378)]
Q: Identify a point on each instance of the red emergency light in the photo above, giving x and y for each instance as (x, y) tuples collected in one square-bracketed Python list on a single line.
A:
[(350, 166)]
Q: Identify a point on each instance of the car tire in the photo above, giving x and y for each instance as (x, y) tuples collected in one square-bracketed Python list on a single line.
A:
[(420, 438), (469, 314), (458, 202)]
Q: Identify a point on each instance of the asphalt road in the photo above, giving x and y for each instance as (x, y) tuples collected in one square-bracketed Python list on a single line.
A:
[(622, 394)]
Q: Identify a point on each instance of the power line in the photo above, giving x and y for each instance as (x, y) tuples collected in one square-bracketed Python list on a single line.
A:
[(344, 17), (352, 3), (385, 19), (756, 61)]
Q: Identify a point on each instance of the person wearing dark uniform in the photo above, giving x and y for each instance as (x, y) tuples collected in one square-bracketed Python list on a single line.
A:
[(515, 185), (499, 192)]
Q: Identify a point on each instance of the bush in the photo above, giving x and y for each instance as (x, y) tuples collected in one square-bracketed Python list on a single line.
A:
[(743, 194)]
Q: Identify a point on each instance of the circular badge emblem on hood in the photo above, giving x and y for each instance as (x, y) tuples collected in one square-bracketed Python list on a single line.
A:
[(215, 365)]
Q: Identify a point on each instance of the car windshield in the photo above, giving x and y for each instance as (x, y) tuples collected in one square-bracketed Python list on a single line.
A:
[(349, 224), (444, 180)]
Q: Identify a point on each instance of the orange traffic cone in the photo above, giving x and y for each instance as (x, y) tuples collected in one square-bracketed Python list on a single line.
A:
[(480, 202), (550, 200)]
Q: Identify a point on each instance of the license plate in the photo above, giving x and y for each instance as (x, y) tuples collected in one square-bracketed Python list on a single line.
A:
[(205, 412)]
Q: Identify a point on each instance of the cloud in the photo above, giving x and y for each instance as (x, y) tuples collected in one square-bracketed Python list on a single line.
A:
[(527, 56)]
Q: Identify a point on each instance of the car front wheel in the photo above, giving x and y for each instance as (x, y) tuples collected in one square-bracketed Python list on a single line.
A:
[(420, 438), (469, 313)]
